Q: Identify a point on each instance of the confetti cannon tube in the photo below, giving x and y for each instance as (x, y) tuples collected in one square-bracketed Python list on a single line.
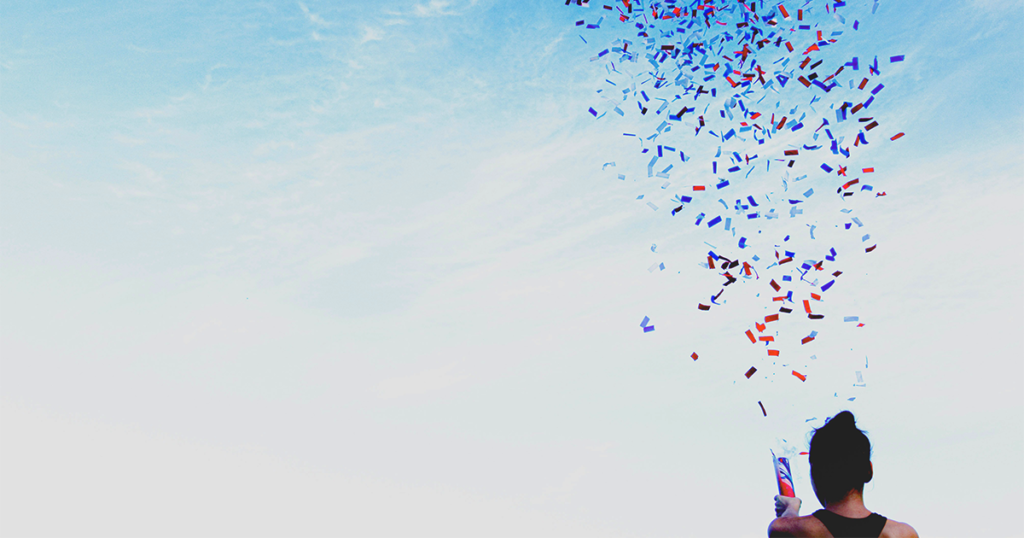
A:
[(784, 476)]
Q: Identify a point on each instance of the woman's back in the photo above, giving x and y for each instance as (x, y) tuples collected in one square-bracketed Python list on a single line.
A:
[(840, 460), (825, 524)]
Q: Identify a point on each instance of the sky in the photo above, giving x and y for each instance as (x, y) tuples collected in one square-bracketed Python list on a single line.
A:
[(355, 268)]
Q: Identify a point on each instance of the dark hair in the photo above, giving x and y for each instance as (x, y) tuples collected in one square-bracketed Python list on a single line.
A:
[(840, 458)]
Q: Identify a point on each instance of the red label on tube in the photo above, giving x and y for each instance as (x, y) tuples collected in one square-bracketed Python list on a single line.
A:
[(784, 476)]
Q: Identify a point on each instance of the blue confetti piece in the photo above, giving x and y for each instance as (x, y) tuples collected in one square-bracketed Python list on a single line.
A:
[(645, 321), (894, 59)]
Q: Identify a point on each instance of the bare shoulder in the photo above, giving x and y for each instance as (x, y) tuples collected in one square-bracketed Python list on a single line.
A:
[(808, 526), (895, 529)]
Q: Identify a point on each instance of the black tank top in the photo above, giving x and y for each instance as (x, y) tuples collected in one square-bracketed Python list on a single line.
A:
[(844, 527)]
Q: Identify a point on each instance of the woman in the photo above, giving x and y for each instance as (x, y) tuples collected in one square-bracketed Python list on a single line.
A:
[(840, 466)]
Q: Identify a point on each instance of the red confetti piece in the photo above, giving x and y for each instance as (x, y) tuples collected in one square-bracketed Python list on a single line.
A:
[(762, 408), (750, 335), (773, 353), (799, 376), (703, 306), (750, 372), (869, 170), (771, 318), (897, 136), (775, 285), (806, 339), (694, 356)]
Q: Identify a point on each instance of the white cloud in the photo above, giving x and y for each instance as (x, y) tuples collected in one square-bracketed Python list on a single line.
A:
[(433, 9), (127, 140), (371, 34), (313, 17)]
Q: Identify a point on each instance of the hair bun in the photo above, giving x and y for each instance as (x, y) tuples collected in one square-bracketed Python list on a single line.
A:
[(843, 420)]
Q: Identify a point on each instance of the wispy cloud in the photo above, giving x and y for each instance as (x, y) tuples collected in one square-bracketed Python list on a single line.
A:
[(313, 18), (432, 9), (371, 34)]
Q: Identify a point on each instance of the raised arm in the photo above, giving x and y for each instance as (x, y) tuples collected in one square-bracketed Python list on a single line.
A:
[(787, 510)]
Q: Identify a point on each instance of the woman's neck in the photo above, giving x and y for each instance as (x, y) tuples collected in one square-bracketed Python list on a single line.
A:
[(851, 506)]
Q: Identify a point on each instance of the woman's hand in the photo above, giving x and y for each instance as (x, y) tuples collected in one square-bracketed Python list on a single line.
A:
[(787, 506)]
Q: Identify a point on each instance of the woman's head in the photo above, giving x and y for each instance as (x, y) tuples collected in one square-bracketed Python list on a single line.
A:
[(840, 458)]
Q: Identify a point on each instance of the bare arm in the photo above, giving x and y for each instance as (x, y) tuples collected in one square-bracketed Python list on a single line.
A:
[(780, 527), (787, 510)]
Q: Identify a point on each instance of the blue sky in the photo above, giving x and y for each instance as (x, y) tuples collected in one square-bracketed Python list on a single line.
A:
[(310, 268)]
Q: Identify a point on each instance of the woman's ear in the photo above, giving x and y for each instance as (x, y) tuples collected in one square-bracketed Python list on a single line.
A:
[(871, 472)]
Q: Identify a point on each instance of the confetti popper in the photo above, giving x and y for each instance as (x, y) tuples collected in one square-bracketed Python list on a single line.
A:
[(783, 476)]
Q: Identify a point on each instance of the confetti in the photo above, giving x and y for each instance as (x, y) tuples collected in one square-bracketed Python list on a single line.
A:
[(716, 79)]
